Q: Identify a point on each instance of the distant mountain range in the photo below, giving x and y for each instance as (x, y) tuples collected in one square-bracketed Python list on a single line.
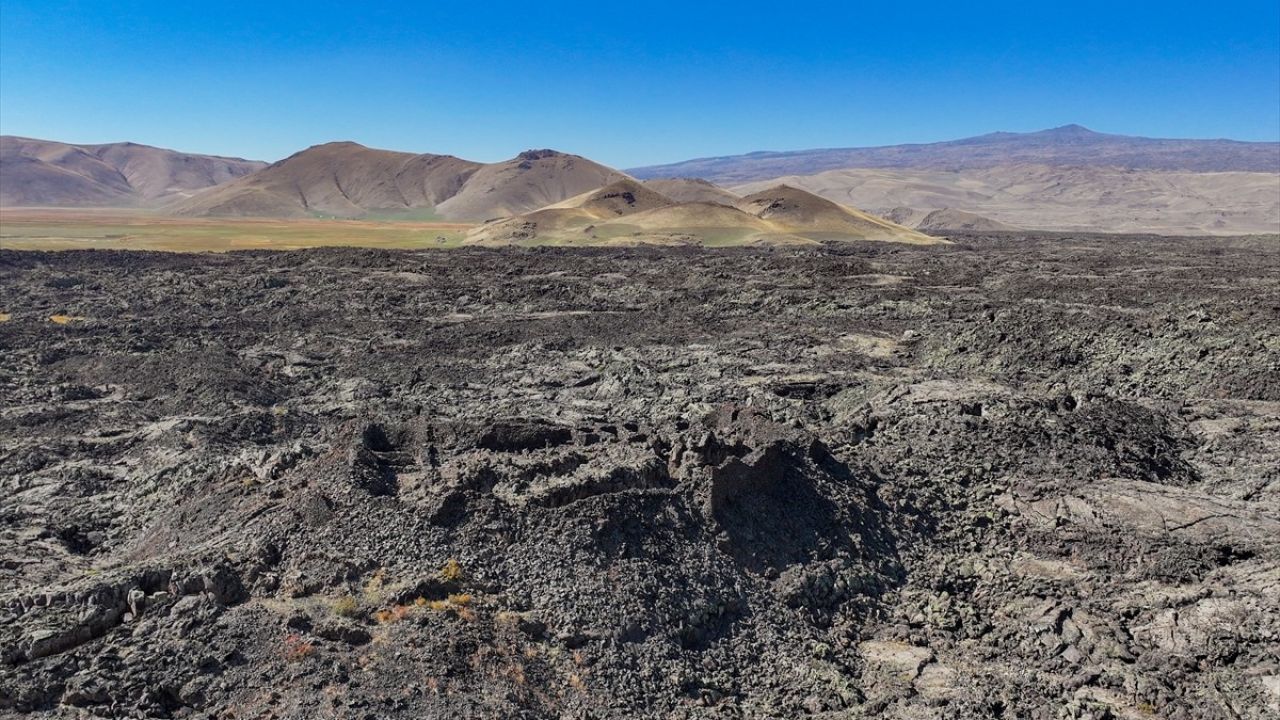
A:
[(1068, 178), (345, 179), (1070, 145), (46, 173), (1044, 197)]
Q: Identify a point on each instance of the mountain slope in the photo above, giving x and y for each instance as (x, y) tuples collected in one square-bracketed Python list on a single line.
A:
[(46, 173), (345, 179), (801, 211), (342, 179), (574, 218), (1068, 145), (945, 219), (692, 190), (1042, 197), (531, 180), (627, 212), (623, 197)]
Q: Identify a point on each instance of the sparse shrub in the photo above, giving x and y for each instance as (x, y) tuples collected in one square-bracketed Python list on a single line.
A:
[(373, 587), (456, 603), (394, 614), (346, 606), (451, 572)]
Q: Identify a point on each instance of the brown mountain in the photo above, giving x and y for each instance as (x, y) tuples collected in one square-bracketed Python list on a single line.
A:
[(1068, 145), (531, 180), (44, 173), (573, 219), (345, 179), (801, 211), (622, 197), (945, 219), (692, 190), (1044, 197), (627, 212), (342, 179)]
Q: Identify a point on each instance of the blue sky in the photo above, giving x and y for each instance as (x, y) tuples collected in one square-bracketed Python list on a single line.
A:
[(629, 83)]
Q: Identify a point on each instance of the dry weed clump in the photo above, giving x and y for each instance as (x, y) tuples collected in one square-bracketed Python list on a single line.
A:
[(456, 603), (451, 572), (297, 648), (374, 587), (346, 606), (394, 614)]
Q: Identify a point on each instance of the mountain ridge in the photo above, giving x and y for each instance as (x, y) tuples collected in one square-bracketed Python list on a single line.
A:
[(1064, 145), (1065, 198), (628, 212), (126, 174), (347, 179)]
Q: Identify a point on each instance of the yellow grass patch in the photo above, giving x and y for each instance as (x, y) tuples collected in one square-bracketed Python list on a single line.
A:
[(394, 614), (457, 603), (452, 571), (869, 345), (54, 229), (65, 319)]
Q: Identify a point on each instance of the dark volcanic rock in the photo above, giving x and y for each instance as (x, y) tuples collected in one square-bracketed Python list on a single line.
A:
[(1023, 477)]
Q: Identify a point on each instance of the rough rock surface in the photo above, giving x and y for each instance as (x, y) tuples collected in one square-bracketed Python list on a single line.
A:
[(1028, 477)]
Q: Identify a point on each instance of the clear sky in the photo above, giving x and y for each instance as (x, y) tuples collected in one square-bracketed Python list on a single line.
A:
[(629, 82)]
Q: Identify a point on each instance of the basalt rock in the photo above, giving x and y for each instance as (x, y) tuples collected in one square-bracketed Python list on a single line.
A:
[(1006, 477)]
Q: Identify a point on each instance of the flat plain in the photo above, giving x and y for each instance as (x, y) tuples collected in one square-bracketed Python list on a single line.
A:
[(132, 229)]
